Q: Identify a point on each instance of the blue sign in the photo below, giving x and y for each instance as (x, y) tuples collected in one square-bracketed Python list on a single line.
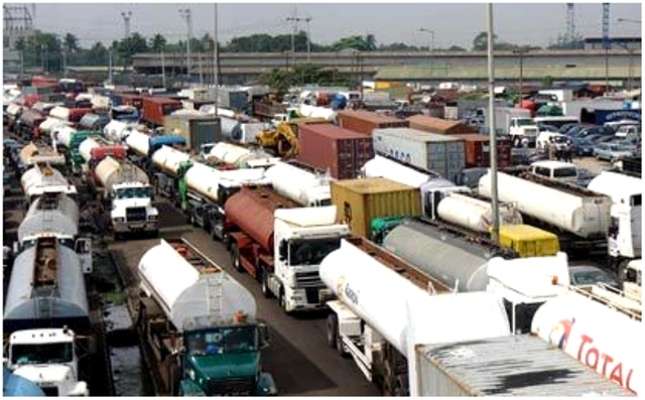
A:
[(603, 116)]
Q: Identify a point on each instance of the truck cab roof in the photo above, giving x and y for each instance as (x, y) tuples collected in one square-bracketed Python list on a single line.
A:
[(44, 335)]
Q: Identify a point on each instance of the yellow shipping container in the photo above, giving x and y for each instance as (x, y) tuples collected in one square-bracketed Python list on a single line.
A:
[(528, 241), (379, 85), (359, 201)]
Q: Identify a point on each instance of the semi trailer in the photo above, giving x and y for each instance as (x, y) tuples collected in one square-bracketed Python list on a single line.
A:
[(306, 188), (167, 167), (197, 326), (282, 245), (142, 146), (42, 179)]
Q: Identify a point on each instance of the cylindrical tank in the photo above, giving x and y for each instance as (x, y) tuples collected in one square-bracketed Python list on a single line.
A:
[(58, 215), (580, 212), (602, 338), (317, 112), (31, 154), (619, 187), (63, 135), (117, 130), (139, 142), (450, 258), (303, 187), (401, 311), (229, 153), (251, 209), (86, 146), (60, 112), (185, 295), (169, 159), (40, 177), (231, 128), (381, 167), (95, 147), (204, 180), (475, 214), (50, 123), (110, 172), (29, 304)]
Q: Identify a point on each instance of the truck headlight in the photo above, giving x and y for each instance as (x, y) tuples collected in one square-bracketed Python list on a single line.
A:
[(152, 217)]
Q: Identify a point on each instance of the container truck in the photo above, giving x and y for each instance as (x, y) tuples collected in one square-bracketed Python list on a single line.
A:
[(626, 226), (281, 245), (306, 188), (156, 108), (203, 191), (579, 216), (168, 166), (142, 146), (127, 188), (385, 306), (44, 179), (195, 130), (197, 326)]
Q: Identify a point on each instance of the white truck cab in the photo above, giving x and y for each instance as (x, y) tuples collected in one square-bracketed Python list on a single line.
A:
[(47, 357), (302, 238), (132, 208), (522, 128), (555, 170)]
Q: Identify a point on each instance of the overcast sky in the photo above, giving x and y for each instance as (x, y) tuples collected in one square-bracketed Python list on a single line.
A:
[(453, 23)]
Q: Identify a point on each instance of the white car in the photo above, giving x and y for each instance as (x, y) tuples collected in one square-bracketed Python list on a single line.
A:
[(555, 170), (546, 138), (627, 130)]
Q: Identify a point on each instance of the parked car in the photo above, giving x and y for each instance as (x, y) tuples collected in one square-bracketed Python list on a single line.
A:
[(582, 146), (586, 275), (544, 127), (615, 125), (625, 130), (574, 128), (555, 170), (594, 130), (613, 151)]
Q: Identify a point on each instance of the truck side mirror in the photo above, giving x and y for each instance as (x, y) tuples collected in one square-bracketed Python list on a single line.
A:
[(282, 250), (263, 332)]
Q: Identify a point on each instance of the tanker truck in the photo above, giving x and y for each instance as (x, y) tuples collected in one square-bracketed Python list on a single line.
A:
[(142, 145), (96, 148), (69, 139), (42, 179), (281, 246), (197, 326), (626, 226), (32, 154), (239, 157), (204, 190), (385, 306), (168, 167), (127, 188), (117, 131), (578, 216), (304, 187)]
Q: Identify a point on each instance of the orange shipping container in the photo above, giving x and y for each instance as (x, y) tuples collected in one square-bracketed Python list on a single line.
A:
[(478, 150)]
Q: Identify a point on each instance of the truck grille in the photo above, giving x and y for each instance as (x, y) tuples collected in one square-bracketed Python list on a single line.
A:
[(312, 295), (308, 279), (134, 214), (50, 391), (230, 387)]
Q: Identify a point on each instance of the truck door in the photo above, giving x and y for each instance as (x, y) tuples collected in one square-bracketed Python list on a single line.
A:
[(83, 248)]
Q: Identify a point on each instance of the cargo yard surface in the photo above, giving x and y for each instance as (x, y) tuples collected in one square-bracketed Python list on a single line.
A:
[(349, 239)]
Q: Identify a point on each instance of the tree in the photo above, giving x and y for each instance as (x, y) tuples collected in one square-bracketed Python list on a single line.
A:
[(367, 43), (455, 48), (480, 42), (71, 43), (158, 43), (208, 44), (565, 43)]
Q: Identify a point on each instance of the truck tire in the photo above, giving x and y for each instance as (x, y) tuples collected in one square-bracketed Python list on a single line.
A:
[(235, 258), (264, 281), (332, 330), (282, 300)]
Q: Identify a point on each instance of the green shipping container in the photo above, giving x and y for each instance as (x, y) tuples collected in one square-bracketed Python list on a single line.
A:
[(359, 201), (196, 130)]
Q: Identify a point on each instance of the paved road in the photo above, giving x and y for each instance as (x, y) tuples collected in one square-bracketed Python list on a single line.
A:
[(298, 357)]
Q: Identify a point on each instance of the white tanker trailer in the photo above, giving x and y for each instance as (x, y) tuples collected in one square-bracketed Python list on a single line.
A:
[(32, 154), (205, 323), (168, 166), (55, 214), (386, 306), (44, 179), (239, 156), (305, 188)]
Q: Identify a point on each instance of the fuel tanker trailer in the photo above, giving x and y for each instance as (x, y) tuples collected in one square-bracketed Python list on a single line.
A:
[(54, 213), (304, 187), (580, 216), (127, 188), (240, 157), (385, 306), (118, 131), (95, 148), (142, 145), (42, 179), (168, 166), (197, 326), (32, 154), (68, 141)]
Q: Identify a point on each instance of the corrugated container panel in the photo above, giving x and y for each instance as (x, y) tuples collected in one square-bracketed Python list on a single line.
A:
[(365, 121), (325, 146), (359, 201), (520, 365), (196, 130), (529, 241), (478, 150), (438, 125), (443, 154)]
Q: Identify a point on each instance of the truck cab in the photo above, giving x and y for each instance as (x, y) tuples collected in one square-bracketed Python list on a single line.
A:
[(555, 170), (523, 130), (47, 357), (302, 238), (132, 208)]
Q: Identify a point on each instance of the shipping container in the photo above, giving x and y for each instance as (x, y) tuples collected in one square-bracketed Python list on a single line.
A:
[(234, 99), (528, 241), (359, 201), (478, 150), (365, 122), (156, 108), (134, 100), (328, 147), (518, 365), (438, 125), (196, 130), (443, 154)]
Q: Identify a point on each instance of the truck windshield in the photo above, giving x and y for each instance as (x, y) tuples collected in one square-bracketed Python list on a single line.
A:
[(232, 339), (48, 353), (134, 193), (525, 122), (312, 251)]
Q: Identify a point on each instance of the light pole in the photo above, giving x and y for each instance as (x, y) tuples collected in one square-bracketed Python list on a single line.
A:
[(186, 14), (521, 52), (491, 124), (127, 16), (630, 51), (431, 47)]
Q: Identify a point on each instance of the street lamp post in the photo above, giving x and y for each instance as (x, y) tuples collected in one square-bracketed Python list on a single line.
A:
[(492, 134), (431, 47), (520, 52), (186, 14)]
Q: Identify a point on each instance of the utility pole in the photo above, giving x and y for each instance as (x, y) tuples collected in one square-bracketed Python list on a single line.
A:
[(186, 14), (431, 45), (127, 16), (163, 68), (201, 72), (631, 54), (491, 124), (295, 21), (64, 54), (520, 52), (22, 64), (215, 59), (110, 77), (308, 19), (605, 42)]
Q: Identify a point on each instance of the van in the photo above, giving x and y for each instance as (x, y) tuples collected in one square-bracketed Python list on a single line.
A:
[(555, 170)]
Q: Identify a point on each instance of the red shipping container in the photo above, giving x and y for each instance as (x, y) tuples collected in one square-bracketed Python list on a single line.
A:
[(325, 146), (439, 125), (132, 100), (365, 121), (478, 153), (156, 108)]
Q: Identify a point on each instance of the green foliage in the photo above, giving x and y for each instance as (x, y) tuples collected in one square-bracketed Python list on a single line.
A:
[(564, 43), (367, 43), (480, 43), (158, 43), (279, 80)]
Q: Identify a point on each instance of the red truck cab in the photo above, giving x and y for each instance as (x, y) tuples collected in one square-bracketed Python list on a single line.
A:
[(156, 108)]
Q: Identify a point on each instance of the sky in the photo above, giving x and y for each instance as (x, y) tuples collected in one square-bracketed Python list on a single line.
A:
[(453, 23)]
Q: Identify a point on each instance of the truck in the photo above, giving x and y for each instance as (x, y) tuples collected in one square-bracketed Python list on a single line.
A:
[(238, 156), (203, 191), (306, 188), (281, 245), (167, 168), (156, 108), (127, 189), (32, 154), (197, 326), (625, 228), (142, 146), (68, 141), (385, 305), (42, 179), (27, 125), (513, 121), (95, 148), (195, 130), (580, 217)]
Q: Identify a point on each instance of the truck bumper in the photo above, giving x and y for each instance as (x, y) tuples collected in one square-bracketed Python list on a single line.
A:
[(143, 226), (308, 299)]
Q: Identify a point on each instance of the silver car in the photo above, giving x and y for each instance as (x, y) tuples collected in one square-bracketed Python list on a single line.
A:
[(613, 151)]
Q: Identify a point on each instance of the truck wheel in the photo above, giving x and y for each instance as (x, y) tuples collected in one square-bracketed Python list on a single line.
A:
[(193, 222), (332, 330), (235, 258), (282, 300), (264, 279)]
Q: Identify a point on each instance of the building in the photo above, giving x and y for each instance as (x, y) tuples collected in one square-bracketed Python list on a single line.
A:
[(631, 43)]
